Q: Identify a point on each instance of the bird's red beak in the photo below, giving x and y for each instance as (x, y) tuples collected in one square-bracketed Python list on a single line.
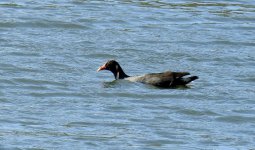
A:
[(101, 68)]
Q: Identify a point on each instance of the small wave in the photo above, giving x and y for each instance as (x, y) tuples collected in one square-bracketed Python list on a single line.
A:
[(58, 94), (11, 5), (43, 24), (236, 119), (248, 79), (100, 55), (197, 113), (161, 4), (37, 82)]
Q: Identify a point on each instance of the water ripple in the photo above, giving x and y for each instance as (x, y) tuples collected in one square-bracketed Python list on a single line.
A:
[(52, 97), (43, 24), (236, 119)]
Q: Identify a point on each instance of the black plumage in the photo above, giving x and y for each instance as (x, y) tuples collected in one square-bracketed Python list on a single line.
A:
[(163, 79)]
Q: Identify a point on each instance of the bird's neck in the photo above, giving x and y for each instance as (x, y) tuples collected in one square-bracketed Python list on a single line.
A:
[(120, 74)]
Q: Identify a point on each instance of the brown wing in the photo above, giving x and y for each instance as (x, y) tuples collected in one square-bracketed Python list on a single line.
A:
[(161, 79), (180, 74)]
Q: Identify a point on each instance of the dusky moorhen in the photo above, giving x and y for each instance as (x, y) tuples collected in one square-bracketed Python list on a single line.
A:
[(166, 79)]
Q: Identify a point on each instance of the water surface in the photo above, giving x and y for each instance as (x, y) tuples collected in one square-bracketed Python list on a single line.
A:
[(52, 98)]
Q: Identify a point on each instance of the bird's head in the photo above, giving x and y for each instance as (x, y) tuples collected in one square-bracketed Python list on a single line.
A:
[(115, 68), (110, 65)]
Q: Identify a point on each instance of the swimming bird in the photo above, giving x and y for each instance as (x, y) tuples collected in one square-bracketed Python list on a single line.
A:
[(166, 79)]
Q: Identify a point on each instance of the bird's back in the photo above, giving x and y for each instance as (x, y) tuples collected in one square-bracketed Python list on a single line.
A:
[(163, 79)]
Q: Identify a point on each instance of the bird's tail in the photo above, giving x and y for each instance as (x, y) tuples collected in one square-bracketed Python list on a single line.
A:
[(189, 79)]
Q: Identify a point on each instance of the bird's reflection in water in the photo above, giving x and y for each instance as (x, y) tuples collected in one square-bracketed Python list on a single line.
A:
[(110, 84), (121, 83)]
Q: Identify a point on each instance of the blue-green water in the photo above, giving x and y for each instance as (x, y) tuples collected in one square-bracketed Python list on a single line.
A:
[(51, 96)]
